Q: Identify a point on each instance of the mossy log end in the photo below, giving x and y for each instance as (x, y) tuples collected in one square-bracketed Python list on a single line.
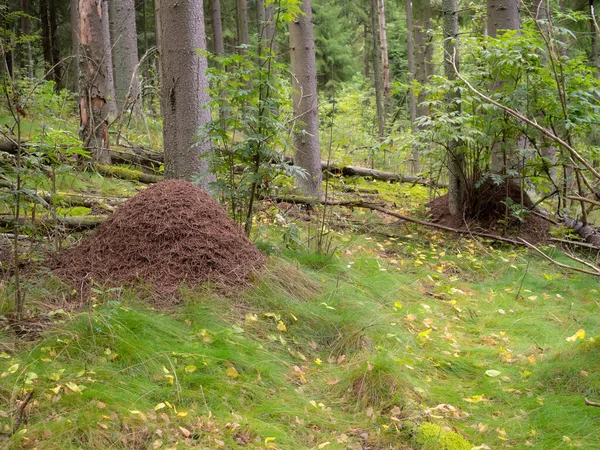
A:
[(127, 174)]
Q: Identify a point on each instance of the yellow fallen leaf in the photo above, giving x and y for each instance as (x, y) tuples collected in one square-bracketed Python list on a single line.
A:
[(190, 369), (579, 334), (398, 305), (159, 406), (182, 413), (425, 333), (324, 444), (232, 372), (281, 326)]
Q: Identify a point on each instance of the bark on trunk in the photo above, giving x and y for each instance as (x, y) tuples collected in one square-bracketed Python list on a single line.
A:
[(124, 53), (385, 63), (502, 15), (184, 99), (410, 48), (217, 27), (367, 56), (74, 64), (266, 24), (456, 160), (93, 89), (50, 42), (305, 100), (242, 26), (377, 71), (26, 30), (108, 63)]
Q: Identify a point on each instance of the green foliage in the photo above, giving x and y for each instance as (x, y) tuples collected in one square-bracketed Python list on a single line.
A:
[(251, 132)]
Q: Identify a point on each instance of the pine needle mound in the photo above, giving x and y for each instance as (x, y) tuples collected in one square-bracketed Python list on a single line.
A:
[(169, 234)]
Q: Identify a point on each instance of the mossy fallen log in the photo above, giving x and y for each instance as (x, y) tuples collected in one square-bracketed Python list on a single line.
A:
[(127, 174)]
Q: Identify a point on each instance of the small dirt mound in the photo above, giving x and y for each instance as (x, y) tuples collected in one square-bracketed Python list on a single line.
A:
[(173, 232), (486, 211)]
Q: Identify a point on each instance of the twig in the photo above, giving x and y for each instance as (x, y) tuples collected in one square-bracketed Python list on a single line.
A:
[(589, 403), (21, 411), (596, 272), (583, 199), (579, 244)]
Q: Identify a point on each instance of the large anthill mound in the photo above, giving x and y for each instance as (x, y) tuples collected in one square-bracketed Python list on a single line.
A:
[(173, 232), (486, 210)]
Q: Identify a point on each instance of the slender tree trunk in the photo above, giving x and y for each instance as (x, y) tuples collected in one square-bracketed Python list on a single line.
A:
[(124, 53), (93, 90), (54, 45), (26, 30), (184, 97), (594, 58), (377, 71), (107, 63), (367, 53), (547, 150), (305, 100), (242, 26), (266, 23), (456, 160), (217, 27), (502, 15), (385, 64), (410, 49), (74, 65), (423, 52)]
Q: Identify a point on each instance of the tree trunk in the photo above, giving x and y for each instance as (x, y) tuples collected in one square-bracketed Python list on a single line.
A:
[(107, 63), (74, 64), (367, 56), (93, 89), (124, 53), (217, 27), (456, 160), (423, 53), (594, 58), (184, 85), (266, 24), (547, 150), (26, 30), (305, 100), (410, 48), (242, 26), (377, 70), (385, 64), (502, 15)]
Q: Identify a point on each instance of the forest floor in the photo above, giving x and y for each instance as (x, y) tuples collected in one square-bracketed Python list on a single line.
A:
[(393, 336)]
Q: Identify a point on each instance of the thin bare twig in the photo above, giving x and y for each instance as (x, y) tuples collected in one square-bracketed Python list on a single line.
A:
[(589, 403), (595, 273)]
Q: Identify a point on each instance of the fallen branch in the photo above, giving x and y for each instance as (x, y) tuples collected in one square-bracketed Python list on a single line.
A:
[(575, 243), (595, 271), (20, 413), (583, 199), (381, 209), (589, 403), (357, 171)]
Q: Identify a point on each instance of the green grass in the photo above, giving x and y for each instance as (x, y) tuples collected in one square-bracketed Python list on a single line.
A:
[(405, 338)]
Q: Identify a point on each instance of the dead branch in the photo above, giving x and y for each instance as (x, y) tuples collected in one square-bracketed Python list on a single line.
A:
[(583, 199), (595, 272), (575, 243), (589, 403), (20, 413)]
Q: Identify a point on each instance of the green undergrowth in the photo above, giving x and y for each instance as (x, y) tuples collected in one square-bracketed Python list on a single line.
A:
[(407, 341)]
